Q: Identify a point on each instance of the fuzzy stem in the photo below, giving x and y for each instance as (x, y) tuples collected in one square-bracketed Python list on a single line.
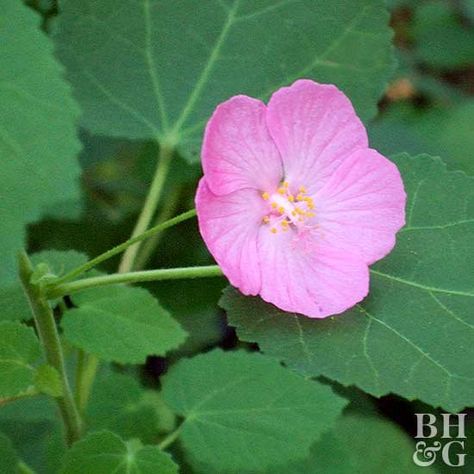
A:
[(47, 330)]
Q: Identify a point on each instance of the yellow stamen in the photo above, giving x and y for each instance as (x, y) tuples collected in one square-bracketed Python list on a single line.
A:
[(281, 210), (281, 191), (291, 198), (266, 196), (299, 197), (273, 230), (274, 205), (266, 220), (302, 189)]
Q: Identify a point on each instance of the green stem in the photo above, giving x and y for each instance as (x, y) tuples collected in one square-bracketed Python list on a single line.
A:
[(123, 246), (31, 392), (169, 208), (149, 208), (171, 438), (134, 277), (23, 468), (47, 330), (87, 363), (86, 369)]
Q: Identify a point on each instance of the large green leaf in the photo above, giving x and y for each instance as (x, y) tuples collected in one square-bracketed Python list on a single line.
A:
[(38, 142), (119, 404), (413, 335), (443, 131), (157, 69), (19, 350), (105, 453), (121, 324), (248, 408), (360, 444)]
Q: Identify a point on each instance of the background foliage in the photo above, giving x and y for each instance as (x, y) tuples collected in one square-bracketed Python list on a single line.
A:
[(92, 92)]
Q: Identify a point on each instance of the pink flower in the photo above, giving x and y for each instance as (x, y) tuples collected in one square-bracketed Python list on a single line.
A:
[(294, 205)]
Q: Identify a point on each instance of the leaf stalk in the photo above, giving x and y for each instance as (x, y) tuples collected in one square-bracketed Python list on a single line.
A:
[(134, 277)]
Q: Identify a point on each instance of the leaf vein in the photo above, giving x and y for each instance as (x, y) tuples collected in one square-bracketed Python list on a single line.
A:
[(204, 77), (421, 286), (152, 66)]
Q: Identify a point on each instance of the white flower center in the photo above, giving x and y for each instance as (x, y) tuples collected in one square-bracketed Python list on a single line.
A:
[(287, 210)]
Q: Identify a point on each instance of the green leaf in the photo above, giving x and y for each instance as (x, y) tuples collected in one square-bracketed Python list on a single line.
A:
[(441, 39), (198, 313), (443, 131), (14, 303), (327, 456), (35, 429), (29, 410), (38, 142), (413, 335), (39, 443), (362, 444), (139, 74), (8, 457), (390, 451), (47, 381), (248, 408), (106, 453), (121, 324), (119, 404), (19, 349)]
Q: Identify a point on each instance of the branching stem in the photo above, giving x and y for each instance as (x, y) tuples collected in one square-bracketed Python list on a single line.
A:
[(48, 333), (123, 246)]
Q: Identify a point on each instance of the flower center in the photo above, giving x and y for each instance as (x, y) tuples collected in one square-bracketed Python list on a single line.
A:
[(287, 210)]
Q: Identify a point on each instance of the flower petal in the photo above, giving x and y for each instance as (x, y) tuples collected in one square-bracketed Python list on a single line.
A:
[(229, 225), (309, 277), (315, 128), (362, 205), (238, 151)]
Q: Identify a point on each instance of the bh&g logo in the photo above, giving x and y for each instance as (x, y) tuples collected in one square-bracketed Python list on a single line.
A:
[(451, 450)]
